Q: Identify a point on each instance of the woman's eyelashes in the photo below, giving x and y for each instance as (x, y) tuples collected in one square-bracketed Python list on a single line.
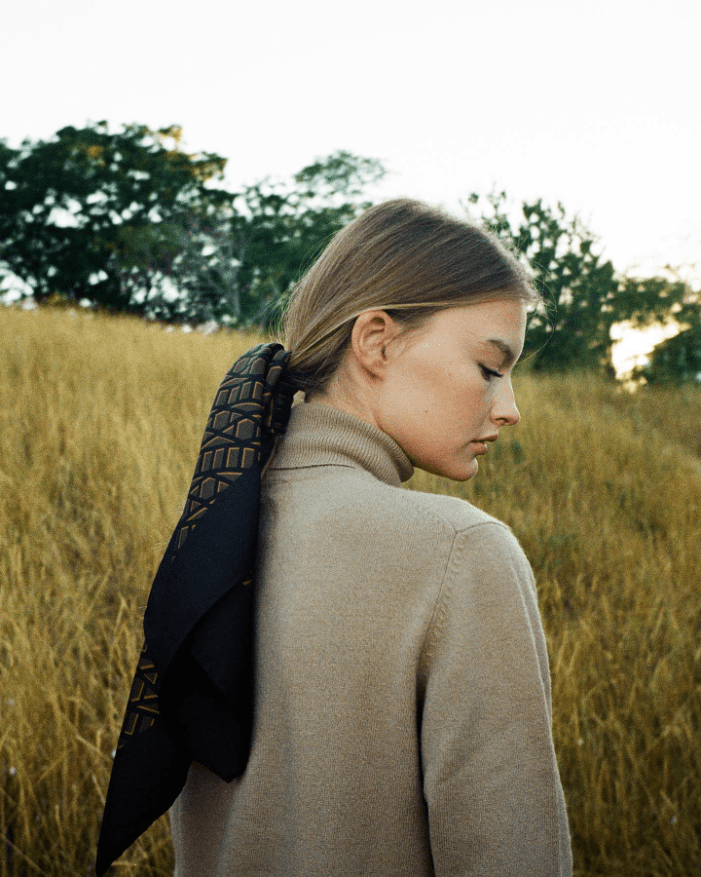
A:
[(489, 373)]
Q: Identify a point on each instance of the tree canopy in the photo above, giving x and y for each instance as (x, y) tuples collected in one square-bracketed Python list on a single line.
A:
[(96, 215), (583, 296), (675, 359), (282, 226), (128, 221)]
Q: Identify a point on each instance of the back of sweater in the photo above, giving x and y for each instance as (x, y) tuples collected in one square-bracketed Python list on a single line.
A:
[(402, 718)]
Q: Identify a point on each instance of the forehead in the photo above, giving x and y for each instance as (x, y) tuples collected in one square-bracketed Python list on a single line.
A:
[(500, 324)]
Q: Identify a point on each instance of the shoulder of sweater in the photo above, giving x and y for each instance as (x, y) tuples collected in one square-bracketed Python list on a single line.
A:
[(473, 532), (458, 514), (413, 509)]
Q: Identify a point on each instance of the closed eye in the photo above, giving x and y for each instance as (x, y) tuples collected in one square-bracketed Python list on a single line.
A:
[(489, 373)]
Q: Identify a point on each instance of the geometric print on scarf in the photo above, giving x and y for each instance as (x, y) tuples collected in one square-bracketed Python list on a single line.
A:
[(231, 444), (189, 599), (232, 437), (143, 700)]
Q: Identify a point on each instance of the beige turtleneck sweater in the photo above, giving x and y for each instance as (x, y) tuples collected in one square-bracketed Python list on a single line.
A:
[(402, 714)]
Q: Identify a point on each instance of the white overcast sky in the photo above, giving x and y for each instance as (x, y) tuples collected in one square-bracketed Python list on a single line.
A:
[(593, 104)]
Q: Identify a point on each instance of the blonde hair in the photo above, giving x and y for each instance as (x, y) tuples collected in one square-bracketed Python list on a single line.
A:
[(403, 257)]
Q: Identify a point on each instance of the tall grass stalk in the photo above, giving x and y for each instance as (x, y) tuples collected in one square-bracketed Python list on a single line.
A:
[(100, 423)]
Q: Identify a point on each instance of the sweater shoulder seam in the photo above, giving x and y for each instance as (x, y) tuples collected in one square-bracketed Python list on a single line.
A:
[(436, 621)]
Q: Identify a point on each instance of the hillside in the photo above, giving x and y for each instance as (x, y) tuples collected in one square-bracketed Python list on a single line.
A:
[(100, 423)]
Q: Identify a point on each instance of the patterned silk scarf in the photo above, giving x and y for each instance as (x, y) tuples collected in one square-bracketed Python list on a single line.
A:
[(192, 694)]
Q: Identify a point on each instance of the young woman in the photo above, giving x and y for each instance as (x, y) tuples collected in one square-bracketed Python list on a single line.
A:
[(401, 715)]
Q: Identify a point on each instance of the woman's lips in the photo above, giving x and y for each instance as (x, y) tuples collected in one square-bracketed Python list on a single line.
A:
[(481, 444)]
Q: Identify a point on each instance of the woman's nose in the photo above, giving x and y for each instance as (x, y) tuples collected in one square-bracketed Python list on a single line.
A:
[(505, 411)]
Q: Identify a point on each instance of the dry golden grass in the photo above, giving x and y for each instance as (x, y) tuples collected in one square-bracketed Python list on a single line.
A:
[(100, 422)]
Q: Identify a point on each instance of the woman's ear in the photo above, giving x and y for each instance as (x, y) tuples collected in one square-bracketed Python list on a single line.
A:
[(372, 332)]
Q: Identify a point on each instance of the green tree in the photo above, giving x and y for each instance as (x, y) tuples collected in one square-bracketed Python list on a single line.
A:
[(655, 300), (675, 360), (206, 270), (659, 300), (282, 226), (572, 329), (99, 216), (129, 222), (584, 297)]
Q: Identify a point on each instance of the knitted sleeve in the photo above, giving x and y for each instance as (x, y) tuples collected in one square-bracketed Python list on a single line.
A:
[(491, 782)]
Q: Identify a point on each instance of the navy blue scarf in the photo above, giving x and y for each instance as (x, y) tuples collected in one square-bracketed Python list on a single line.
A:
[(192, 694)]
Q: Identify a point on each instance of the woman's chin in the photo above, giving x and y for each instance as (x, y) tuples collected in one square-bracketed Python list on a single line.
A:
[(460, 471), (470, 472)]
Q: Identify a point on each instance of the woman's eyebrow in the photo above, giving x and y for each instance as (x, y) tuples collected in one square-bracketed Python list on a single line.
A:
[(509, 356)]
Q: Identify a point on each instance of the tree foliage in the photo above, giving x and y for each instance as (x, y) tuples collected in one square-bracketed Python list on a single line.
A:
[(130, 222), (572, 329), (675, 360), (659, 300), (284, 225), (583, 295), (96, 215)]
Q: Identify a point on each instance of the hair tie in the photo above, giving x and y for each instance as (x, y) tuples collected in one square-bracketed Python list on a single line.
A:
[(192, 694)]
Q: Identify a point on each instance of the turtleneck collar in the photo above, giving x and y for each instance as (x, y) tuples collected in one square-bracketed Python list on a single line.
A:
[(320, 435)]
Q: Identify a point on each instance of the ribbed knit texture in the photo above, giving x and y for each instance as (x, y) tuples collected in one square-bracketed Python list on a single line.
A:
[(402, 695)]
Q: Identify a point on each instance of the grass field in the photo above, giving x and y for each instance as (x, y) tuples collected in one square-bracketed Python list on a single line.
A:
[(100, 423)]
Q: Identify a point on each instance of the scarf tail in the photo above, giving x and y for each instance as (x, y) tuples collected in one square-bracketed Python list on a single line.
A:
[(149, 772), (192, 694)]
